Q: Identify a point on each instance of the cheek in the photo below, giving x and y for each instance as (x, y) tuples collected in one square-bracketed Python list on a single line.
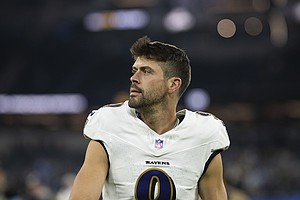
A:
[(157, 87)]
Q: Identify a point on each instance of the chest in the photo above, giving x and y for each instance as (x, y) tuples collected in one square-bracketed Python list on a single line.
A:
[(141, 161), (129, 158)]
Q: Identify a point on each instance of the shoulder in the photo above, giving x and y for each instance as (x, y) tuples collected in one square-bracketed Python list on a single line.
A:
[(210, 127), (204, 118), (106, 115), (109, 109)]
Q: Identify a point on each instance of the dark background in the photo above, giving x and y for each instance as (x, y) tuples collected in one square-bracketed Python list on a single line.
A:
[(253, 83)]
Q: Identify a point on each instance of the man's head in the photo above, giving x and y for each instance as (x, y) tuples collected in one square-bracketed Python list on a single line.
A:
[(173, 60)]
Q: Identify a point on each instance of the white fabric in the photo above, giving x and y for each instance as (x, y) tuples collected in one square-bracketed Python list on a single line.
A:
[(178, 158)]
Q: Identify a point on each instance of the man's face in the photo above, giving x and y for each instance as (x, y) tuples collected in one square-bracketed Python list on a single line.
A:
[(148, 86)]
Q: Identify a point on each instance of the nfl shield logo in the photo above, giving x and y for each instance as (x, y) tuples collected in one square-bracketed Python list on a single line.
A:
[(159, 144)]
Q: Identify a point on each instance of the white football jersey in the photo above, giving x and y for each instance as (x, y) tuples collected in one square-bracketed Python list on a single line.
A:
[(145, 165)]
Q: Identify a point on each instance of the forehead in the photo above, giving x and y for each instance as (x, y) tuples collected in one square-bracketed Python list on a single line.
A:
[(144, 62)]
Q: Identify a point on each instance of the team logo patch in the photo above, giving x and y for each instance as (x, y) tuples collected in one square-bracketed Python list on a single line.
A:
[(159, 144)]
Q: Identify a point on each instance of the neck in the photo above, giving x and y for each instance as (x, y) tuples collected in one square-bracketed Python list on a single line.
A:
[(160, 119)]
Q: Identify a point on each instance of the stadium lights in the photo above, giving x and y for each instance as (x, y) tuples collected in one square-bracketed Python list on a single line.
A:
[(296, 12), (226, 28), (253, 26), (178, 20), (42, 104), (197, 99), (116, 20)]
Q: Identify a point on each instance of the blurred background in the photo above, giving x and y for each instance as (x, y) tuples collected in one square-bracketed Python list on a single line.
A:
[(60, 59)]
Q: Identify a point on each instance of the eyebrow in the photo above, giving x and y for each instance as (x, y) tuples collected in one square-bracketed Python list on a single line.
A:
[(142, 67)]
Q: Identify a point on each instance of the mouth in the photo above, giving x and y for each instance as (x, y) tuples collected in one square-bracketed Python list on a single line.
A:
[(135, 91)]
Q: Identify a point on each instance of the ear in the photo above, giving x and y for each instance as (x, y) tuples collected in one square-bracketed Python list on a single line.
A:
[(174, 84)]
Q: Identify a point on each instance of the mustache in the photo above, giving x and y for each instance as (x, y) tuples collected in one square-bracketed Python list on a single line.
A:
[(135, 87)]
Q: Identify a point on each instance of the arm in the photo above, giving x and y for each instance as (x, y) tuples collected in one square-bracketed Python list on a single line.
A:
[(211, 185), (91, 177)]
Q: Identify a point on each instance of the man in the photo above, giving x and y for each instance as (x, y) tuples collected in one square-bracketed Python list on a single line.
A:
[(142, 149)]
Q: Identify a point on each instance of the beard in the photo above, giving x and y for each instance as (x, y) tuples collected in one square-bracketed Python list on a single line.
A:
[(147, 99)]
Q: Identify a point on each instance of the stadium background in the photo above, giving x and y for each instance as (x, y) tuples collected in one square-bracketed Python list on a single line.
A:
[(245, 62)]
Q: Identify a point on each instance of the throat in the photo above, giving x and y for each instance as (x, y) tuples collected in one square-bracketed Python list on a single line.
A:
[(160, 126)]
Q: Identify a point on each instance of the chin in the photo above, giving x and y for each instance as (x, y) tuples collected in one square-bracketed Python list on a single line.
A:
[(132, 103)]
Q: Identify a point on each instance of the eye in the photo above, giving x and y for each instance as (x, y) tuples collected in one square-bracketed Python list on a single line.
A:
[(146, 71), (133, 71)]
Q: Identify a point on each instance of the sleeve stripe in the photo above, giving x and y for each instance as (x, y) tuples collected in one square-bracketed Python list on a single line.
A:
[(210, 159)]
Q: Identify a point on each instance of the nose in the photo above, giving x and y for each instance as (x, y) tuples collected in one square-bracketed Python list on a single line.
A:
[(134, 78)]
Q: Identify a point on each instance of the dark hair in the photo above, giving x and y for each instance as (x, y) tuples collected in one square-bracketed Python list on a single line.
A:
[(175, 61)]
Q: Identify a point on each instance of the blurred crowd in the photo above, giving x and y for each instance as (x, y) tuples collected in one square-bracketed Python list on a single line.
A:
[(40, 164)]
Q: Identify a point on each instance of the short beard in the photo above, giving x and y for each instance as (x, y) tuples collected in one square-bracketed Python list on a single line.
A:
[(146, 103)]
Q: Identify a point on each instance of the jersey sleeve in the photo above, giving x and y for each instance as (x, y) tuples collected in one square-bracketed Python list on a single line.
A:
[(220, 136), (214, 132), (92, 125), (219, 140)]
